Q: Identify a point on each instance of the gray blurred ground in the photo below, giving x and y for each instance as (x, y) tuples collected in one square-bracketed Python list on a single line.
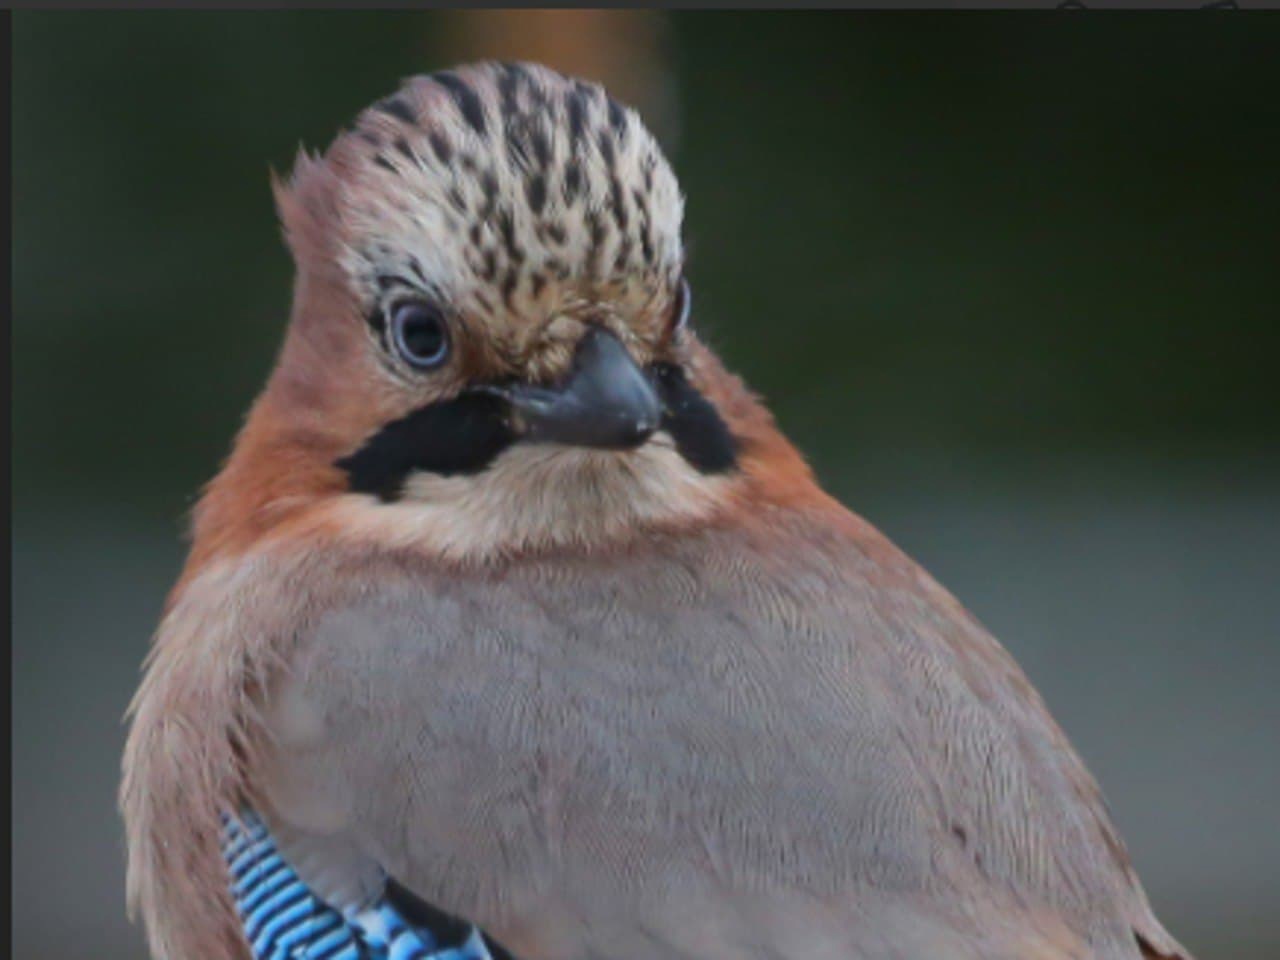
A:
[(1011, 284)]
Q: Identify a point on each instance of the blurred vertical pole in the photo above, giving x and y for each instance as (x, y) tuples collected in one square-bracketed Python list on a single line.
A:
[(626, 50)]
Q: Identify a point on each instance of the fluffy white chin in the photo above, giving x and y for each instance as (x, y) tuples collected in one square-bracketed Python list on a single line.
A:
[(533, 497)]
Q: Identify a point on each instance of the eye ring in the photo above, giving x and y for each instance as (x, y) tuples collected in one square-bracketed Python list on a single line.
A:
[(418, 333), (681, 307)]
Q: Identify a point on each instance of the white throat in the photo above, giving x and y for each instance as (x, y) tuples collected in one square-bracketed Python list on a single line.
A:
[(534, 497)]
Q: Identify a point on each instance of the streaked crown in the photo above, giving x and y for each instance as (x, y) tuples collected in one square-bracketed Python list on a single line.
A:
[(509, 191)]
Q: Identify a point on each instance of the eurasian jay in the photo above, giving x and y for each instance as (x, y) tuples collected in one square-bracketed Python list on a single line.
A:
[(512, 625)]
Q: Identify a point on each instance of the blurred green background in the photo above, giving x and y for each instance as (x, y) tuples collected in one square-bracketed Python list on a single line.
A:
[(1011, 282)]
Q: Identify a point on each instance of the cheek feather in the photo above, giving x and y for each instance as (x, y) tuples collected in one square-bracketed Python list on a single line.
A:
[(462, 436), (534, 498), (701, 436), (465, 435)]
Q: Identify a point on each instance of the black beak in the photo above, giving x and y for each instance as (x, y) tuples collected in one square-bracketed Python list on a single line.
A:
[(606, 401)]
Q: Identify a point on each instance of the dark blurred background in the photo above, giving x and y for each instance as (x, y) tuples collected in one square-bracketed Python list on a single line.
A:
[(1010, 282)]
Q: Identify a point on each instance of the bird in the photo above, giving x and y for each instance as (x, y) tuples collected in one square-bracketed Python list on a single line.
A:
[(513, 625)]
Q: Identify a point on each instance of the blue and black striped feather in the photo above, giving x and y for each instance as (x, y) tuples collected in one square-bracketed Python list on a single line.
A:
[(284, 920)]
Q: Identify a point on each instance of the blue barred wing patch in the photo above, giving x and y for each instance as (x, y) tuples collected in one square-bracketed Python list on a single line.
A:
[(284, 920)]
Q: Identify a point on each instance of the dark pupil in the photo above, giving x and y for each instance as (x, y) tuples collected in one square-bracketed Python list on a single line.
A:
[(419, 334)]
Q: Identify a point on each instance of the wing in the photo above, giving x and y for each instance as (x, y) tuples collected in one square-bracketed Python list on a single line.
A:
[(706, 750), (285, 920)]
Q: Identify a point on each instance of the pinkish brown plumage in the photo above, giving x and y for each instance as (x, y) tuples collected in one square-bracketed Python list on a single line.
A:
[(459, 610)]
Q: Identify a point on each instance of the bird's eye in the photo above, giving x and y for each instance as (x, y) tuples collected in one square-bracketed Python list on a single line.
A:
[(681, 307), (419, 335)]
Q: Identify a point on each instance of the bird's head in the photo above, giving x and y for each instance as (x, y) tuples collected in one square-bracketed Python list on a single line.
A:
[(490, 348)]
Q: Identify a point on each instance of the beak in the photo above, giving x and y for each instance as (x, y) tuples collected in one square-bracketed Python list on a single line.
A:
[(605, 402)]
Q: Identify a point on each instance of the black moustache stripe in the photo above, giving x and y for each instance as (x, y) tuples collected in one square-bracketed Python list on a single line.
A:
[(462, 436), (693, 422), (459, 436)]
